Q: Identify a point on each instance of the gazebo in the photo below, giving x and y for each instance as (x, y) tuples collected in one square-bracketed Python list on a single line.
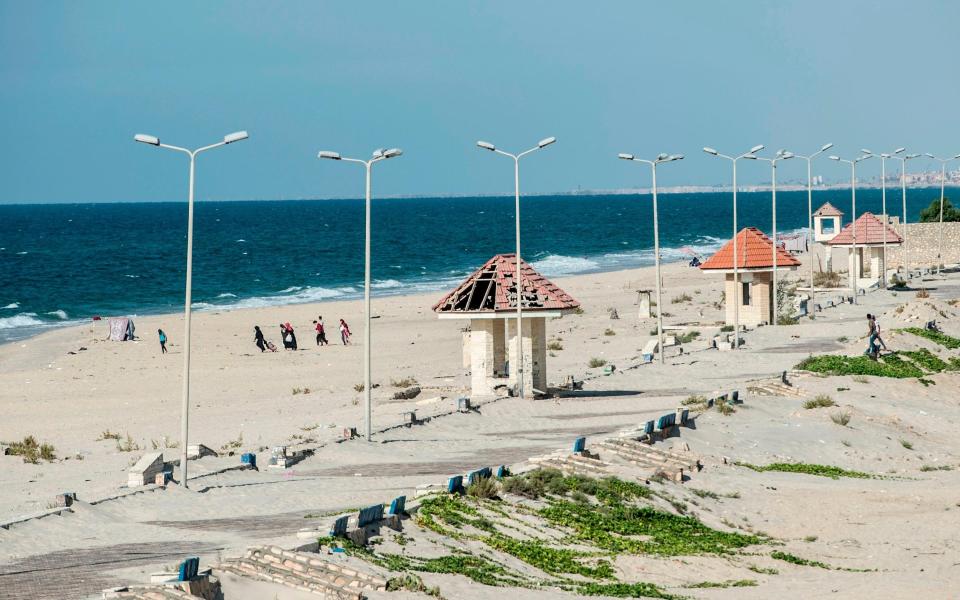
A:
[(870, 237), (755, 264), (488, 298), (826, 222)]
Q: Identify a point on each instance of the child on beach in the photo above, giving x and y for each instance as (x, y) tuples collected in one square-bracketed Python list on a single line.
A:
[(872, 350), (163, 341), (876, 332), (344, 332), (258, 338), (321, 334)]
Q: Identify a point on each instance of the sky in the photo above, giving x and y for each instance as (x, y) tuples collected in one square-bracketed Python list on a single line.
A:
[(79, 79)]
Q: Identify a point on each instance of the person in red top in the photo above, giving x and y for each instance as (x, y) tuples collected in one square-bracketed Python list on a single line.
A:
[(344, 332), (321, 334)]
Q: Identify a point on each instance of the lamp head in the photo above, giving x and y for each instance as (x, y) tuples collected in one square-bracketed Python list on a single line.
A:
[(625, 156), (486, 146), (826, 147), (865, 151), (392, 152), (378, 153), (833, 157), (899, 150), (147, 139), (676, 157), (236, 136), (663, 156), (328, 154), (546, 142), (756, 149), (751, 156), (914, 155), (956, 157), (928, 154), (710, 151), (786, 155)]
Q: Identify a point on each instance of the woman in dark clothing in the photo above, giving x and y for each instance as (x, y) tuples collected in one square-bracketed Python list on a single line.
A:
[(289, 337), (321, 333), (283, 336), (258, 338)]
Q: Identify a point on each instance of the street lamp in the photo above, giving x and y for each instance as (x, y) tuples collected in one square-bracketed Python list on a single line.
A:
[(736, 258), (809, 159), (853, 222), (903, 187), (943, 179), (519, 283), (378, 155), (781, 155), (662, 158), (883, 187), (185, 411)]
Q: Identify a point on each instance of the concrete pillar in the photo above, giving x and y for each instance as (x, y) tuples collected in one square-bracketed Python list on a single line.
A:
[(876, 263), (499, 349), (644, 301), (527, 342), (466, 348), (481, 356), (538, 353)]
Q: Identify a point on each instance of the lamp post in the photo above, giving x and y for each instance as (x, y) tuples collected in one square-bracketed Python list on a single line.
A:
[(883, 187), (661, 158), (378, 155), (853, 222), (736, 258), (519, 283), (809, 159), (185, 409), (781, 155), (903, 187), (943, 180)]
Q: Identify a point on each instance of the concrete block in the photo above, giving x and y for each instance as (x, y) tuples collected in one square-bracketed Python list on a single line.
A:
[(146, 469), (410, 418), (463, 404), (65, 499), (195, 451)]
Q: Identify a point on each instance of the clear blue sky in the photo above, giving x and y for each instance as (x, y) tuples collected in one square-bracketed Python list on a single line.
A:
[(78, 79)]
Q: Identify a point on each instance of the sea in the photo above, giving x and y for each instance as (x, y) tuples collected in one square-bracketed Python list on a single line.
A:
[(62, 264)]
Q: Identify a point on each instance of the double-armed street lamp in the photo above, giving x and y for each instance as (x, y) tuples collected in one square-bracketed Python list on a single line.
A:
[(853, 222), (519, 279), (661, 158), (185, 410), (378, 155), (736, 259), (813, 304), (903, 188), (943, 179), (883, 187), (781, 155)]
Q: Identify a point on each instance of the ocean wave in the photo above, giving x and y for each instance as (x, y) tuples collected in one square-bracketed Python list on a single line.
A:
[(60, 314), (292, 288), (22, 253), (558, 264), (12, 305), (227, 295), (385, 284), (22, 320)]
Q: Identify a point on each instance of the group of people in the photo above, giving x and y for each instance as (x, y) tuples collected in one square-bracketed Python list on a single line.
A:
[(289, 337), (874, 341)]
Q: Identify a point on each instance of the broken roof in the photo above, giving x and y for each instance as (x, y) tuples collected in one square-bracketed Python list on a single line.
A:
[(828, 210), (755, 250), (492, 288), (870, 231)]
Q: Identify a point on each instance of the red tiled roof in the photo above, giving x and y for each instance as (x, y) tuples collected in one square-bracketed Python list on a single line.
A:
[(492, 288), (870, 231), (828, 210), (755, 250)]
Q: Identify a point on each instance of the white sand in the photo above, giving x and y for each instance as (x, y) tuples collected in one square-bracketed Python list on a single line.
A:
[(904, 528)]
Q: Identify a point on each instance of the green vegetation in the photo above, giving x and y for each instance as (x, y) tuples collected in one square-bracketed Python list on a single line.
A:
[(808, 469), (108, 435), (790, 558), (624, 590), (826, 279), (32, 451), (724, 584), (821, 401), (403, 383), (926, 359), (906, 444), (927, 468), (931, 214), (684, 297), (547, 559), (890, 365), (764, 570), (726, 328), (841, 417), (596, 363), (688, 337), (483, 488), (554, 345), (609, 332), (411, 583)]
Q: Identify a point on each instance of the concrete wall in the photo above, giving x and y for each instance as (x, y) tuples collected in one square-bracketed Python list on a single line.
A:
[(922, 240), (534, 354), (761, 302)]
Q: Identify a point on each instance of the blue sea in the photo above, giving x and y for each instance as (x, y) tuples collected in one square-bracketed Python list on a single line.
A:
[(64, 263)]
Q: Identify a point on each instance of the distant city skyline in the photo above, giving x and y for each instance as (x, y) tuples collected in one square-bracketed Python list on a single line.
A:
[(77, 81)]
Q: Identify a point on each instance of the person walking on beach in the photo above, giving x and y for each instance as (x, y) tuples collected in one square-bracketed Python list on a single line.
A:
[(289, 337), (876, 332), (871, 350), (344, 332), (163, 341), (258, 338), (321, 333)]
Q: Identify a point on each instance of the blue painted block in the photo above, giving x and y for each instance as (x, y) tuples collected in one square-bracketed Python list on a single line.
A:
[(189, 569), (249, 458), (735, 396), (502, 472), (684, 416), (398, 505), (455, 484), (339, 527), (579, 444), (648, 427), (663, 422), (474, 476), (370, 514)]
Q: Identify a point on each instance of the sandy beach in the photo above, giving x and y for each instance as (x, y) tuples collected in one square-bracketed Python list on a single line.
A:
[(891, 531)]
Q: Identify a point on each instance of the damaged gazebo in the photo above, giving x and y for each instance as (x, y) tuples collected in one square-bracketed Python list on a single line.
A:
[(488, 298)]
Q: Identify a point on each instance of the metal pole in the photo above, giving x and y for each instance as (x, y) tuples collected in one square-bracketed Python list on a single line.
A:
[(812, 309), (736, 270), (519, 367), (903, 187), (943, 178), (656, 257), (776, 302), (883, 188), (367, 384), (185, 409), (853, 226)]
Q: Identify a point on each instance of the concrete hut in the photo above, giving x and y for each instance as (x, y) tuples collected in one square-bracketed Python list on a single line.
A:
[(488, 298), (826, 222), (755, 264), (870, 236)]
